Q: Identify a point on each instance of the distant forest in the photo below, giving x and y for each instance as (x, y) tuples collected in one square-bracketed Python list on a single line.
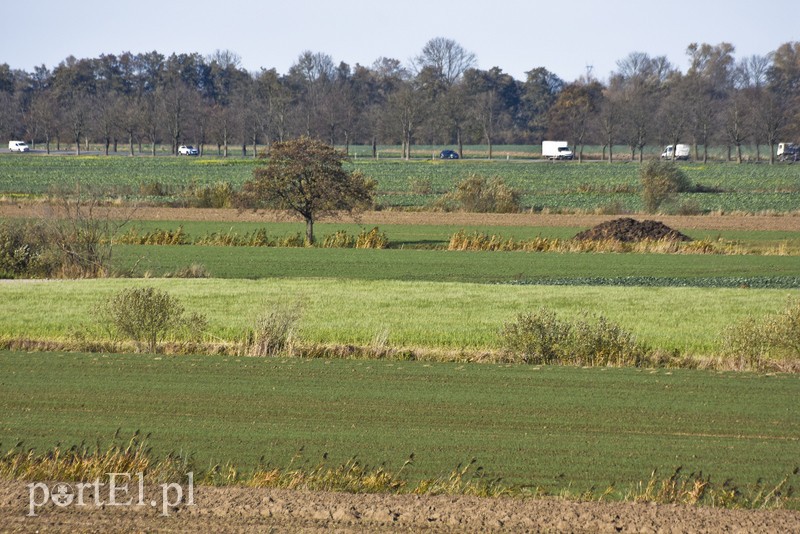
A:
[(130, 102)]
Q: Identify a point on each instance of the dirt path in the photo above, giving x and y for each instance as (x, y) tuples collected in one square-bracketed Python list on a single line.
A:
[(701, 222), (237, 509)]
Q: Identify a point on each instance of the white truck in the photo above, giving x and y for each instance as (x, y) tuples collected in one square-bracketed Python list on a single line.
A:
[(680, 152), (18, 146), (788, 152), (556, 150)]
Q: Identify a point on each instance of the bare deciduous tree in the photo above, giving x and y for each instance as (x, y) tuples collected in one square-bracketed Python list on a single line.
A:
[(448, 58)]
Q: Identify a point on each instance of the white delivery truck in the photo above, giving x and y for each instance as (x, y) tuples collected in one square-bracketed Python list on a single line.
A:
[(556, 150), (788, 152), (681, 152), (18, 146)]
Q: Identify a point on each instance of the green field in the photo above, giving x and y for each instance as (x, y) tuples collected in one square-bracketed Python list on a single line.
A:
[(565, 186), (411, 314), (449, 266), (564, 429), (559, 428)]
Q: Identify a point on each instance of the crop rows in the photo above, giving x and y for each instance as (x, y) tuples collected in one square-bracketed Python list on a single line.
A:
[(554, 186)]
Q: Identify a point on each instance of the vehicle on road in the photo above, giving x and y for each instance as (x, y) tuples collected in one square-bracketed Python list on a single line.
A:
[(18, 146), (188, 150), (448, 154), (788, 152), (556, 150), (680, 152)]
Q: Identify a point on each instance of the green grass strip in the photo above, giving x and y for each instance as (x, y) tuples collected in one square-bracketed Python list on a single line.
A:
[(440, 265), (409, 314), (559, 428)]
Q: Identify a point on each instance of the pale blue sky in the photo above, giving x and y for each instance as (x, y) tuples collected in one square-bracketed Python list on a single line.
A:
[(563, 36)]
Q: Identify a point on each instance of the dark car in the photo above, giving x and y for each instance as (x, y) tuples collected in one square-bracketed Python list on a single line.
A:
[(448, 154)]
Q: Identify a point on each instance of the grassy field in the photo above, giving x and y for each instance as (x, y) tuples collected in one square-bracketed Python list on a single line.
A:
[(565, 429), (555, 186), (410, 314), (559, 428), (450, 266)]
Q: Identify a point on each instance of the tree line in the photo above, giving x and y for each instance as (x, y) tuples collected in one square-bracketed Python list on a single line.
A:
[(128, 101)]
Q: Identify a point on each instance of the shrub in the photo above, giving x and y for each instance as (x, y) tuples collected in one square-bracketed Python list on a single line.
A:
[(536, 337), (23, 250), (273, 330), (146, 315), (340, 239), (756, 342), (217, 195), (542, 338), (292, 240), (661, 181), (476, 194), (154, 237), (372, 239)]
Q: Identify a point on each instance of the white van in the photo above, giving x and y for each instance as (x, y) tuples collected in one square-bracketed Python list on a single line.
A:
[(18, 146), (681, 152)]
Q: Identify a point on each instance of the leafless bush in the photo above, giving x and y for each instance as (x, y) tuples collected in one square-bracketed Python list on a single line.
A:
[(273, 331)]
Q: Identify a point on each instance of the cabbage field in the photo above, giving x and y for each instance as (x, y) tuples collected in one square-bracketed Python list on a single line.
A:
[(553, 186)]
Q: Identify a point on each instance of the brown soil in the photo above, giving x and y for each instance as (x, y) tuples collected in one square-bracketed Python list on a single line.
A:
[(694, 222), (238, 509), (629, 230)]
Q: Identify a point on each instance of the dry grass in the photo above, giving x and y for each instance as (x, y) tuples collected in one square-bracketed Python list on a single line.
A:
[(83, 463), (477, 241)]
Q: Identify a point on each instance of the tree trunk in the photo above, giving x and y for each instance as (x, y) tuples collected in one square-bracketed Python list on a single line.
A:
[(374, 147), (738, 153), (309, 231)]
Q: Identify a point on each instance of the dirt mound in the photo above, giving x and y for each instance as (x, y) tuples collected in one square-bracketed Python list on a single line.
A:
[(629, 230)]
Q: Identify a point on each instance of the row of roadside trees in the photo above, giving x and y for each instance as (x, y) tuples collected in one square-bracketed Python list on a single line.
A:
[(134, 102)]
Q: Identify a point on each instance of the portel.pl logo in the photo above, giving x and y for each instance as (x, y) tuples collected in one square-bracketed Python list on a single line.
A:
[(121, 489)]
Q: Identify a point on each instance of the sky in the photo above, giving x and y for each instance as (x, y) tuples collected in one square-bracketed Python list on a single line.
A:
[(566, 37)]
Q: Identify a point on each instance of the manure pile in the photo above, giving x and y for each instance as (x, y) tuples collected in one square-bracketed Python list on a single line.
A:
[(629, 230)]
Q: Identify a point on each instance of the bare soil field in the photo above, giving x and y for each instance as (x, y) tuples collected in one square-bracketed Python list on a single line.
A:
[(790, 223), (239, 509)]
